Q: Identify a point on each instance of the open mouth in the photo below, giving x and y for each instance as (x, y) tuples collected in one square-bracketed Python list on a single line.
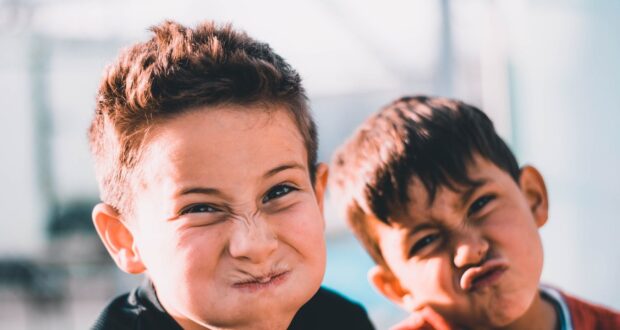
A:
[(486, 275), (262, 282)]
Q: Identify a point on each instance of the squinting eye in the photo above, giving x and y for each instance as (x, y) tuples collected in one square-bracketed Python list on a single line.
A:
[(424, 242), (277, 192), (479, 203), (199, 208)]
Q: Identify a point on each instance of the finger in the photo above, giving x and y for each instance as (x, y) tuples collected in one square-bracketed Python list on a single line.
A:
[(435, 320), (415, 321)]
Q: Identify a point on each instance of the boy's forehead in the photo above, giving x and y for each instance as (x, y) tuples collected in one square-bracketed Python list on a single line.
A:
[(421, 202), (420, 197), (222, 123), (205, 140)]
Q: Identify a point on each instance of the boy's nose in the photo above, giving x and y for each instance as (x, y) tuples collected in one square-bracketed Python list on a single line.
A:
[(253, 241), (470, 249)]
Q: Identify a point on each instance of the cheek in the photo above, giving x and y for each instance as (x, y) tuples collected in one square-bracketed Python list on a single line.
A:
[(184, 255), (518, 239), (201, 248), (528, 257), (302, 229), (432, 281), (428, 281), (155, 244), (190, 263)]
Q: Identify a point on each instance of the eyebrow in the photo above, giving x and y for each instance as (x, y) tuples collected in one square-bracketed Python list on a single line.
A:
[(466, 195), (464, 198), (283, 167), (199, 190), (217, 192), (422, 226)]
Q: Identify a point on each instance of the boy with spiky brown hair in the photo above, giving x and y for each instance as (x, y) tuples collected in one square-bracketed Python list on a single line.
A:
[(205, 154), (440, 203)]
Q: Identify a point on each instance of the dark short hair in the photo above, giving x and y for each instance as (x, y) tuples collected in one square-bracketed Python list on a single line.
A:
[(433, 139), (178, 70)]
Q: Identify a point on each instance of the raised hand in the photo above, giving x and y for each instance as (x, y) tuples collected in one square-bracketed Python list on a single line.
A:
[(424, 319)]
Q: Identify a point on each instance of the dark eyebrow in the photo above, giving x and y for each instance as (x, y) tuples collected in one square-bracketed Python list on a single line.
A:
[(200, 190), (217, 192), (283, 167), (469, 191), (422, 226)]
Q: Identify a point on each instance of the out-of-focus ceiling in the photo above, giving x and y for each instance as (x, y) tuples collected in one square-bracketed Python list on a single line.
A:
[(339, 47)]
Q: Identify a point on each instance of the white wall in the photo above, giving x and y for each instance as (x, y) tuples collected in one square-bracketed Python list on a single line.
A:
[(21, 223), (565, 79)]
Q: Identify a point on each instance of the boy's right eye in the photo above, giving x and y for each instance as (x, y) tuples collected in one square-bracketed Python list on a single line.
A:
[(277, 192), (422, 243), (480, 203), (198, 208)]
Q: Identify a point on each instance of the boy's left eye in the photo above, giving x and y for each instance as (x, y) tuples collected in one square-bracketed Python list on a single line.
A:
[(422, 243), (277, 192), (199, 208), (479, 203)]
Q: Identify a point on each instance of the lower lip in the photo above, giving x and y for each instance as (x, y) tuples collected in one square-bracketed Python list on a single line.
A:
[(488, 279), (252, 287)]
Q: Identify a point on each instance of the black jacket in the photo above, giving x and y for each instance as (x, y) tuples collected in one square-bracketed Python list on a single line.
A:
[(140, 310)]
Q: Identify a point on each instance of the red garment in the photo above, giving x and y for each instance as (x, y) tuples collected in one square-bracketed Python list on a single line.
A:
[(587, 316)]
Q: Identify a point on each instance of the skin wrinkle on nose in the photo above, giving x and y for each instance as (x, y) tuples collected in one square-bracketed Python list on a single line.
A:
[(256, 230), (468, 246)]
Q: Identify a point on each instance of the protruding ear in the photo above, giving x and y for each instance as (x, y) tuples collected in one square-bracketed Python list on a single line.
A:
[(117, 238), (320, 183), (533, 187), (388, 285)]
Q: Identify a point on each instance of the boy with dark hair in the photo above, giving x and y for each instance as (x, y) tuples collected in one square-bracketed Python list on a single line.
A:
[(205, 155), (439, 202)]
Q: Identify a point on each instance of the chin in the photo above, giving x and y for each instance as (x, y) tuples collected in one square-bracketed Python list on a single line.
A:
[(248, 316), (289, 299), (500, 320), (501, 315)]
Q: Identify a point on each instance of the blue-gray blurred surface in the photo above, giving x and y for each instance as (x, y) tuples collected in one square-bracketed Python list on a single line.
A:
[(547, 72)]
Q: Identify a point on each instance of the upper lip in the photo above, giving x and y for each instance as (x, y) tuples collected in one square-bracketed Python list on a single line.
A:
[(471, 274)]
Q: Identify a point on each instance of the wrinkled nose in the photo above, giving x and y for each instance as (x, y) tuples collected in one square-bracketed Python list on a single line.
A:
[(470, 249), (253, 241)]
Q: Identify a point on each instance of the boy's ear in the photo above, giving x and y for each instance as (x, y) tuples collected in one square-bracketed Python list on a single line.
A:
[(533, 187), (388, 285), (320, 183), (117, 238)]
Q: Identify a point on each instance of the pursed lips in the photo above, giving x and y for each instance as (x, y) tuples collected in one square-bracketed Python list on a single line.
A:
[(254, 282), (487, 274)]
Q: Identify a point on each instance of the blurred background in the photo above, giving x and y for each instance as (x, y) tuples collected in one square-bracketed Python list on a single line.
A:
[(546, 71)]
